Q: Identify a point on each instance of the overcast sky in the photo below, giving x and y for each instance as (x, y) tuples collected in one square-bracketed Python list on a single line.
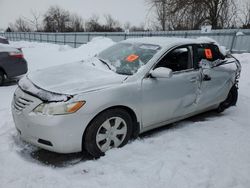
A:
[(134, 11)]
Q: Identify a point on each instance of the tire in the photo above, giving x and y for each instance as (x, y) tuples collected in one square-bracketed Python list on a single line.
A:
[(231, 99), (110, 129), (1, 77)]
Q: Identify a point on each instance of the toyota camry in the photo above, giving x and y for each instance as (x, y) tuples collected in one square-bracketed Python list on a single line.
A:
[(131, 87)]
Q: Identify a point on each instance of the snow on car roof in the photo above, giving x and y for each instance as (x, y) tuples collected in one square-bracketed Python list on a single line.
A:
[(2, 37), (167, 41), (7, 48)]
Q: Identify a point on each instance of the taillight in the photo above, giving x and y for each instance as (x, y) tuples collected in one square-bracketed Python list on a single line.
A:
[(16, 54)]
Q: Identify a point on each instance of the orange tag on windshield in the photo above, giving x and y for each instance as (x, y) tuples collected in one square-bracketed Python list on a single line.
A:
[(208, 53), (131, 58)]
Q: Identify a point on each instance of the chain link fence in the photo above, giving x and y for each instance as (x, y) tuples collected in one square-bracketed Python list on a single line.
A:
[(233, 39)]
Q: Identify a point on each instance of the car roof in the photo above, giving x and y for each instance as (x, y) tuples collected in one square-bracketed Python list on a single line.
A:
[(7, 48), (167, 42)]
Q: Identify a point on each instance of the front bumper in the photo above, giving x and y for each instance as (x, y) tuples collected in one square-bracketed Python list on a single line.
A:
[(61, 133)]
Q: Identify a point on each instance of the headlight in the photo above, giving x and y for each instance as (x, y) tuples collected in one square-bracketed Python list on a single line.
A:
[(58, 108)]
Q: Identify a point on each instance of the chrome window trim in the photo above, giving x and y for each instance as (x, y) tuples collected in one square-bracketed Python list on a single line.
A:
[(183, 71)]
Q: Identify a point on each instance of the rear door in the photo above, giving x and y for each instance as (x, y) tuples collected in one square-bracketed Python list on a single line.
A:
[(215, 82)]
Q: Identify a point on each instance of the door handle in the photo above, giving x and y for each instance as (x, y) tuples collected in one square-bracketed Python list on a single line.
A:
[(206, 77)]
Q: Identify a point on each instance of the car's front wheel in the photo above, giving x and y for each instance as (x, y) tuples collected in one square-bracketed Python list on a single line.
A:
[(110, 129)]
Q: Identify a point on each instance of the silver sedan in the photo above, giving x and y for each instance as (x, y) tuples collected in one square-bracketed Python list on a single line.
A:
[(129, 88)]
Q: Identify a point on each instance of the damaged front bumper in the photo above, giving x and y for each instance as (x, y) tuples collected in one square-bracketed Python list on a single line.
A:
[(60, 133)]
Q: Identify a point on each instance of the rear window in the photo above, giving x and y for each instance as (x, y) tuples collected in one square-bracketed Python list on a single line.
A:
[(209, 52)]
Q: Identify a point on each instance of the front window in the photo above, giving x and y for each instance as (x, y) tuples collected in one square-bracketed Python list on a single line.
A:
[(179, 59), (127, 58)]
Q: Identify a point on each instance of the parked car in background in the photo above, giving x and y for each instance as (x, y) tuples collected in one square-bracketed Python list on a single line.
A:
[(3, 40), (12, 63), (131, 87)]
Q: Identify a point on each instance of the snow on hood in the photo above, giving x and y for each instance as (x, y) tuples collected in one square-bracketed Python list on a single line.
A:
[(1, 37), (74, 78), (26, 85)]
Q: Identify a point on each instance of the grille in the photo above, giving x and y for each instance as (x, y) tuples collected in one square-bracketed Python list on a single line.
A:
[(21, 103)]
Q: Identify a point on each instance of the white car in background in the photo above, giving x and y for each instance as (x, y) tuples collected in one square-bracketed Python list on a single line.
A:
[(129, 88)]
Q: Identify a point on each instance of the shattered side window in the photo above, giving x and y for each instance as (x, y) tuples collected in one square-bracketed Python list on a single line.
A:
[(209, 52)]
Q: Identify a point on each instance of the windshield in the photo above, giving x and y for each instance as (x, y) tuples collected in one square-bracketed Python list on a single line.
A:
[(127, 58)]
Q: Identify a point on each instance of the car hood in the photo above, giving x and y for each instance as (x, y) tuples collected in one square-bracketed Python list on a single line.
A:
[(74, 78)]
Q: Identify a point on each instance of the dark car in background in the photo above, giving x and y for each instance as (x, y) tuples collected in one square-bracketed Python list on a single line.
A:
[(3, 40), (12, 63)]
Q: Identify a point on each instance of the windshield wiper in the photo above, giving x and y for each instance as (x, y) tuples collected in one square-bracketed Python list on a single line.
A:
[(104, 62)]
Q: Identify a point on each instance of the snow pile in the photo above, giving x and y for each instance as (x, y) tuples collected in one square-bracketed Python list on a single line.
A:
[(26, 44), (210, 150), (240, 33), (43, 55)]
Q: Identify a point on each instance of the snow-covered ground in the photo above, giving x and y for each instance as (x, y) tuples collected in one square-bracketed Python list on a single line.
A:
[(209, 150)]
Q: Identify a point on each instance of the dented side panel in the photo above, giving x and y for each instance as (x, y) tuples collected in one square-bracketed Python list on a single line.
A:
[(167, 98)]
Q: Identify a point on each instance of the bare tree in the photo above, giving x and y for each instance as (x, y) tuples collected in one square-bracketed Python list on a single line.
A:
[(20, 25), (76, 23), (127, 26), (220, 13), (56, 19), (93, 24), (137, 28), (245, 19), (160, 8), (191, 14), (111, 23), (35, 21)]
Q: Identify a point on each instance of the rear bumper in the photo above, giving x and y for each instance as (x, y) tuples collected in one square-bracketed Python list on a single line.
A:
[(16, 67)]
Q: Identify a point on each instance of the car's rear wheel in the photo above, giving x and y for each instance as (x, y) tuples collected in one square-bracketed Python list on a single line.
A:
[(1, 77), (231, 99), (110, 129)]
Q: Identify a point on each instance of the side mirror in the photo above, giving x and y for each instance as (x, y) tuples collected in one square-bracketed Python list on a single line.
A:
[(162, 72)]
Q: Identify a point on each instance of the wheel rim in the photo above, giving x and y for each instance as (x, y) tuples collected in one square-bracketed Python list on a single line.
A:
[(111, 133)]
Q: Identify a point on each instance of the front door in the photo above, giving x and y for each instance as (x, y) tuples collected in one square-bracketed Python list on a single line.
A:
[(168, 98)]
